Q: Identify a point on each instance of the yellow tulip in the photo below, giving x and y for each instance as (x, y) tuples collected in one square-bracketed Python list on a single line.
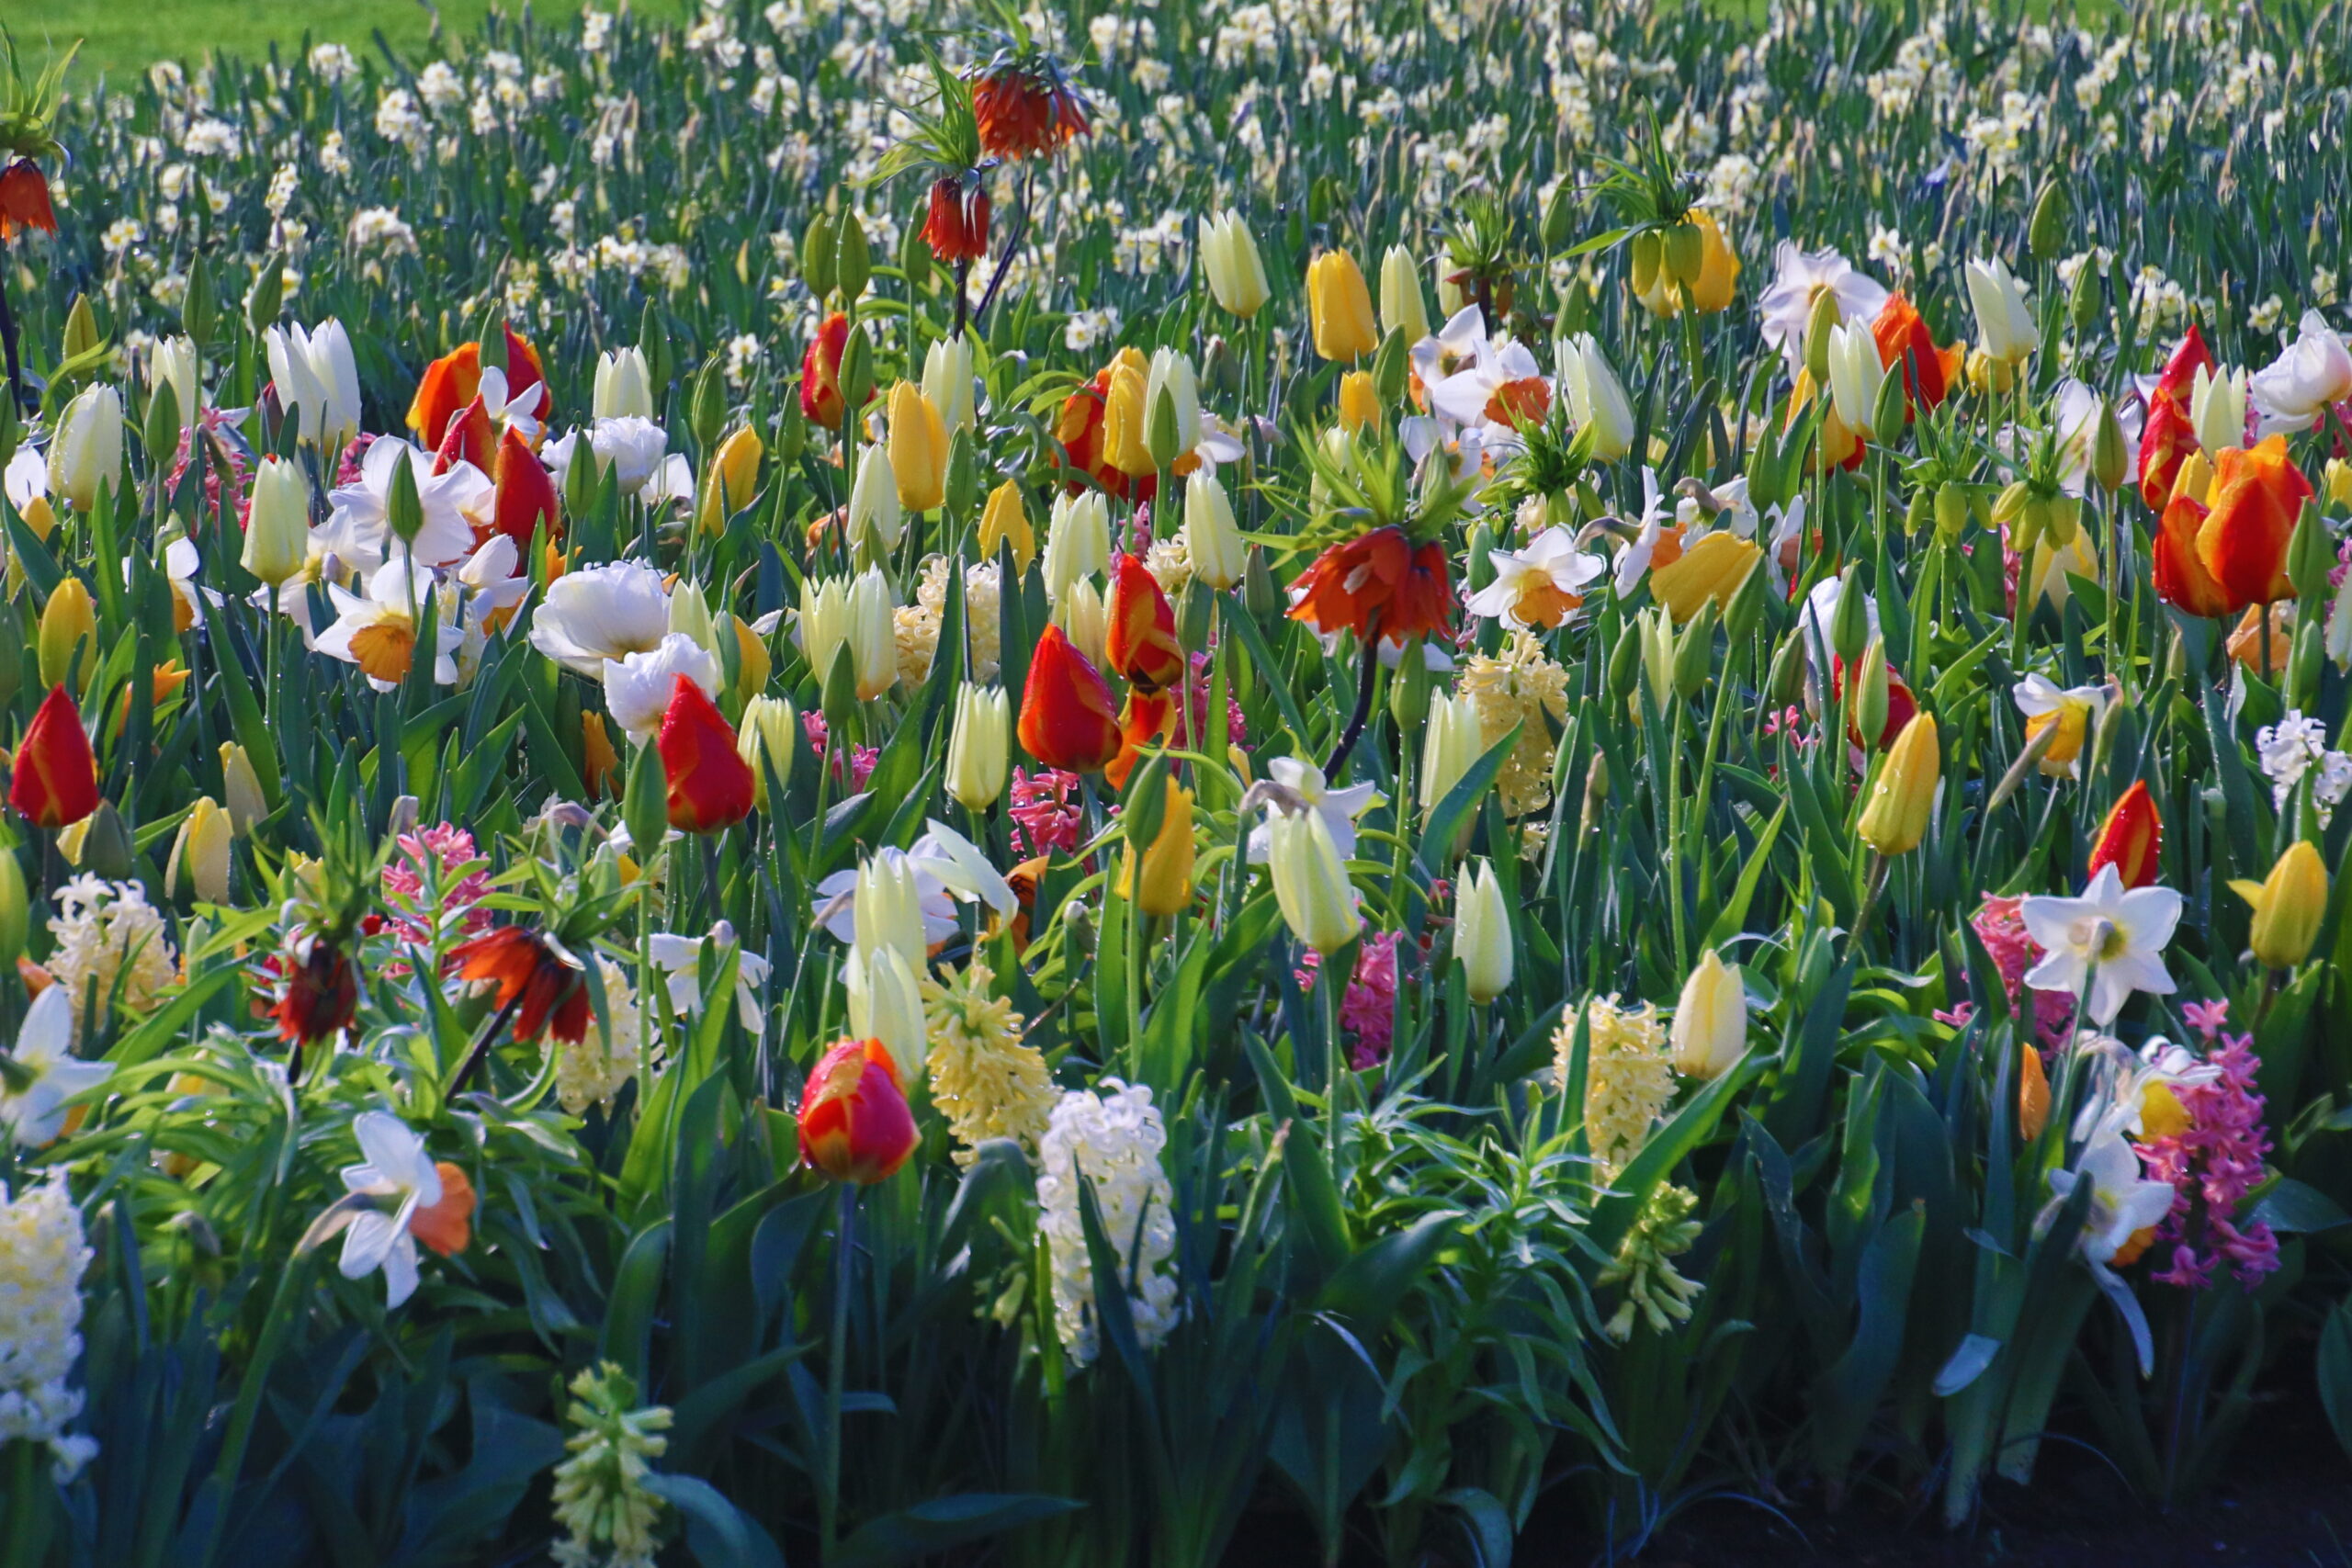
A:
[(1127, 414), (752, 665), (201, 851), (65, 620), (1896, 817), (977, 749), (1167, 887), (918, 447), (1340, 307), (242, 787), (1713, 568), (1718, 277), (1005, 519), (1359, 402), (765, 740), (2289, 904), (1710, 1031)]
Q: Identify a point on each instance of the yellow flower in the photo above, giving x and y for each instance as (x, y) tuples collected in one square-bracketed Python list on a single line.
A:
[(1482, 934), (918, 447), (1711, 569), (1359, 402), (976, 746), (2289, 904), (1340, 307), (1710, 1020), (1311, 882), (65, 620), (1125, 416), (1168, 864), (1628, 1078), (1896, 817), (2067, 714), (986, 1078), (1520, 685), (1005, 519), (201, 852)]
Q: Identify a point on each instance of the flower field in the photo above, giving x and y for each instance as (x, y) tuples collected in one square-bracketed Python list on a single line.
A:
[(869, 786)]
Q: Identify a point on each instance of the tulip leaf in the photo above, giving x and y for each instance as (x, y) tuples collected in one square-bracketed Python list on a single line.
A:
[(719, 1534), (942, 1524), (2293, 1208), (1456, 804)]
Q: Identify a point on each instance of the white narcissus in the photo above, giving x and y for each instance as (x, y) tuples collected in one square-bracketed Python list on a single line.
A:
[(601, 613), (44, 1069), (397, 1169), (377, 630), (2111, 938), (1338, 807), (2294, 391), (1801, 277), (1537, 587), (358, 528), (2072, 710)]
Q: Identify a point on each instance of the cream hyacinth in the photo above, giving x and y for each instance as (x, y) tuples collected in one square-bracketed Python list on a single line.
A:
[(42, 1258), (600, 1494), (1112, 1138), (108, 934), (1628, 1076), (1520, 685), (593, 1071), (986, 1077)]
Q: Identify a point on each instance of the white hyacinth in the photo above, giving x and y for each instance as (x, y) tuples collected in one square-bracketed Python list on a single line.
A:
[(42, 1256), (1113, 1139)]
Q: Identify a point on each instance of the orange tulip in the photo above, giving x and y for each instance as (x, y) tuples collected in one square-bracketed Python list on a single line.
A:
[(2131, 840), (24, 201), (710, 786), (956, 227), (1902, 334), (1084, 427), (2257, 495), (1144, 721), (1142, 644), (452, 381), (2167, 438), (855, 1124), (1067, 719), (2181, 579), (56, 777), (469, 437), (447, 1227), (600, 767), (527, 493)]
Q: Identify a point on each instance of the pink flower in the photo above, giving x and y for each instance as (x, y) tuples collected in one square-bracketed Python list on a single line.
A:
[(226, 469), (2001, 928), (1192, 714), (1046, 817), (1368, 1007), (435, 884), (2207, 1018), (2212, 1165), (862, 758)]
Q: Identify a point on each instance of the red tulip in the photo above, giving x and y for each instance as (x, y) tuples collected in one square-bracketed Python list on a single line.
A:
[(855, 1124), (537, 979), (1901, 707), (2131, 840), (527, 493), (2256, 498), (469, 437), (56, 777), (2180, 576), (820, 372), (1142, 722), (710, 787), (1066, 718), (1903, 336), (24, 201), (1141, 644), (956, 227), (2167, 438)]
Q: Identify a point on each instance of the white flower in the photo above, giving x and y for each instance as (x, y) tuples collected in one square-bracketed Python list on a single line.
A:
[(1802, 275), (637, 685), (452, 502), (318, 380), (680, 957), (2124, 1202), (2004, 324), (1597, 400), (895, 889), (2316, 372), (377, 630), (42, 1074), (601, 613), (43, 1255), (108, 939), (2123, 1107), (398, 1171), (1339, 807), (628, 448), (1111, 1137), (2217, 407), (1472, 380), (2110, 937), (1537, 587)]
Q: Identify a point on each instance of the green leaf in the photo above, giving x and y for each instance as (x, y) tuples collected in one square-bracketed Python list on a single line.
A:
[(943, 1523)]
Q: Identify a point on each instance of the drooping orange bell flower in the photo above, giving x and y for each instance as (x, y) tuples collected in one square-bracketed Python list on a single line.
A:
[(527, 493), (2131, 840), (1902, 334), (957, 227), (319, 995), (1067, 718), (710, 786), (24, 201), (469, 437), (1026, 108), (540, 982), (854, 1123), (1145, 721), (820, 372), (1141, 642), (2257, 498), (1377, 581), (2179, 571), (55, 779)]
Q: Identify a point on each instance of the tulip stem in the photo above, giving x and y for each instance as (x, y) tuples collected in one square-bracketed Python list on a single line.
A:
[(1873, 880), (829, 1499), (1364, 702)]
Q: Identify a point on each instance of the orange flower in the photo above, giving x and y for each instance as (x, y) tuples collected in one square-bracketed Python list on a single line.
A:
[(56, 777), (526, 494), (1379, 580), (535, 977), (1083, 422), (2181, 579), (855, 1124), (2247, 644), (1067, 719), (1141, 644), (2131, 840), (820, 372), (447, 1227), (319, 995), (2167, 438), (600, 764), (2033, 1093), (2257, 495), (1902, 335), (1144, 721), (1026, 109), (710, 786), (24, 201), (957, 229), (469, 437), (449, 383)]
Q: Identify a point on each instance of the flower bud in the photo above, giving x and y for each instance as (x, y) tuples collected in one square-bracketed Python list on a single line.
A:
[(1825, 317), (852, 257), (199, 858), (55, 774), (1212, 539), (2045, 233), (885, 1004), (1482, 934), (873, 634), (918, 449), (1340, 307), (66, 621), (1710, 1032), (1229, 257), (2289, 906), (876, 515), (241, 789), (1904, 793), (977, 749), (947, 382), (278, 528), (1005, 520), (854, 1123), (1450, 743), (1311, 884), (1165, 886), (1402, 307), (85, 455), (768, 741), (708, 786), (623, 387)]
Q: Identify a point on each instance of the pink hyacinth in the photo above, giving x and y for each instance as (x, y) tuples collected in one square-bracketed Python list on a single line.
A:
[(862, 758), (1045, 813), (1368, 1007), (2212, 1165), (443, 852), (225, 469), (1193, 713), (2001, 928)]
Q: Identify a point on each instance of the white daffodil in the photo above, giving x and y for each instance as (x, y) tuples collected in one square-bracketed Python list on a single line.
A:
[(2111, 938), (601, 613), (396, 1172), (1801, 277), (2296, 390), (1338, 807), (1634, 560), (519, 411), (1475, 381), (637, 686), (1540, 586), (2070, 711), (377, 629), (2129, 1102), (1725, 506), (680, 957), (2124, 1202), (358, 527), (26, 483), (40, 1074)]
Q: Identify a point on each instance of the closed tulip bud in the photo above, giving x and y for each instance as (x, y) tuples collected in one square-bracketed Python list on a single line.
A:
[(2289, 906), (708, 786), (824, 623), (1694, 653), (689, 615), (1709, 572), (1905, 795), (54, 782), (2336, 481), (175, 368), (768, 741), (977, 747), (2217, 409), (1710, 1031), (2311, 553), (1784, 680), (1871, 692), (854, 1123), (885, 1004), (852, 257), (623, 386), (1359, 402), (734, 476), (948, 379), (199, 859), (817, 256), (1482, 934), (278, 528), (2337, 643), (876, 516), (2045, 234), (1124, 414), (1005, 521), (66, 621), (1559, 221), (267, 297), (1229, 256), (918, 449), (200, 306), (2082, 300), (1260, 595), (873, 634), (1212, 539), (241, 789), (1086, 617), (1172, 386), (317, 378), (1625, 657), (15, 909), (1452, 743), (857, 369), (1165, 888), (106, 844), (2004, 322), (1856, 379), (1077, 542), (1067, 719), (1656, 632), (1402, 307), (2110, 456), (963, 473), (1825, 318), (1596, 401), (1340, 307), (86, 454), (1311, 884), (1849, 625)]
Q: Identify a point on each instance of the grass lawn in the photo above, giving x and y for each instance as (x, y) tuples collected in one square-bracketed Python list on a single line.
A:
[(122, 35)]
